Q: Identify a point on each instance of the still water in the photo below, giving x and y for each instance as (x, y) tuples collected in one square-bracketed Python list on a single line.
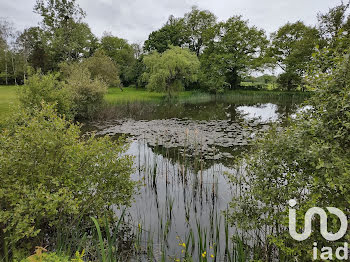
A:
[(184, 154)]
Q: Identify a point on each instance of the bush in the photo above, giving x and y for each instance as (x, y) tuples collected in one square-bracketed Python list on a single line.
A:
[(48, 88), (87, 94), (309, 161), (100, 67), (79, 97), (103, 67), (52, 179)]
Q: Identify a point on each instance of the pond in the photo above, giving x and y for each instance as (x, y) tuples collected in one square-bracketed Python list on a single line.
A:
[(183, 154)]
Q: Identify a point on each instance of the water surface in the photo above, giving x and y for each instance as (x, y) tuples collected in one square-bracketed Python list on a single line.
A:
[(183, 152)]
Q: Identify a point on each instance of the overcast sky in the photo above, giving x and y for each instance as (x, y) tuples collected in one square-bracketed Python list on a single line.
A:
[(135, 19)]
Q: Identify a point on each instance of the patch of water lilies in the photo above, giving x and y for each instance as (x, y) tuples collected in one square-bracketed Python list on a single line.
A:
[(205, 136)]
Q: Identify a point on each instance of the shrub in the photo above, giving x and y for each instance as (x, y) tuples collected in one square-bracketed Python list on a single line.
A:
[(100, 67), (52, 179), (309, 161), (78, 97), (103, 67), (87, 94), (47, 88)]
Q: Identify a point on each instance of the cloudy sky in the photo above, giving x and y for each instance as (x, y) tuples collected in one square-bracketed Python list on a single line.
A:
[(135, 19)]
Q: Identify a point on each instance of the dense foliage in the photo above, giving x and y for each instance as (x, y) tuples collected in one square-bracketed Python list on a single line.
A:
[(52, 178), (238, 49), (87, 93), (46, 88), (170, 71), (291, 49), (308, 161), (229, 51), (77, 96)]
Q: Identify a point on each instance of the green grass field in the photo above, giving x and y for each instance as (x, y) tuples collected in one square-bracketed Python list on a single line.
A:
[(8, 97)]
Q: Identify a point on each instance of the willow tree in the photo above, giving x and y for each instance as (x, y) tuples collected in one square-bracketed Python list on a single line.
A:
[(170, 71)]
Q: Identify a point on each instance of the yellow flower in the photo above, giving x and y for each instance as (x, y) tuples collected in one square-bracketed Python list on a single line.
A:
[(212, 256), (204, 254)]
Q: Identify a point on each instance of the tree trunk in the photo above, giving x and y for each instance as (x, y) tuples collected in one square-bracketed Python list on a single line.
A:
[(6, 80), (14, 68)]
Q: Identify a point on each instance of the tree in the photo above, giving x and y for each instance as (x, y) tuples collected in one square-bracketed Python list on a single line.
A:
[(6, 33), (35, 45), (171, 34), (103, 67), (121, 53), (334, 28), (137, 47), (68, 38), (200, 29), (170, 71), (194, 31), (291, 49), (237, 49), (334, 24)]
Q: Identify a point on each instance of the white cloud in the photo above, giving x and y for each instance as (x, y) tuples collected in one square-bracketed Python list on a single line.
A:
[(135, 19)]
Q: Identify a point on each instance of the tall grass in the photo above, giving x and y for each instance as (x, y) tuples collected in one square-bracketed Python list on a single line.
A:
[(108, 250)]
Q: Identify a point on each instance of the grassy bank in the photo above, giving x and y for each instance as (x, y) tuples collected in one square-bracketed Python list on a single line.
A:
[(131, 94), (115, 96), (8, 96)]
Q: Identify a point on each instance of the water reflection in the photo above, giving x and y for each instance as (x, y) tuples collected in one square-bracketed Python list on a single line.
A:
[(182, 152), (263, 112)]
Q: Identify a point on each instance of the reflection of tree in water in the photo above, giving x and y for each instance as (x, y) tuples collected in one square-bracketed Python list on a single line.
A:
[(285, 111), (214, 109)]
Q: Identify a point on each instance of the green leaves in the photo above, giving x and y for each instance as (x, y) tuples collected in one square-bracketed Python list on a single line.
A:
[(292, 48), (50, 176), (170, 71), (309, 161)]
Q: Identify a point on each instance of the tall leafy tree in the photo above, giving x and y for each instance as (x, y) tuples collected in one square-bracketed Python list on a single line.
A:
[(237, 49), (35, 47), (334, 23), (69, 39), (334, 28), (172, 33), (200, 29), (291, 49), (122, 53), (170, 71)]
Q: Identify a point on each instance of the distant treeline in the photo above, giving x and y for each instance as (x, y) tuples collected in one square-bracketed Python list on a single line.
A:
[(227, 51)]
